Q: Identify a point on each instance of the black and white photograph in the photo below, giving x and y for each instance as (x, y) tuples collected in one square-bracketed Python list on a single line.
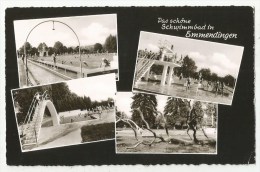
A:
[(187, 68), (65, 113), (50, 50), (156, 124)]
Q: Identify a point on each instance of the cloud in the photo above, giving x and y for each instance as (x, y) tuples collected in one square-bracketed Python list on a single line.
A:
[(217, 62), (95, 33), (153, 47), (197, 56)]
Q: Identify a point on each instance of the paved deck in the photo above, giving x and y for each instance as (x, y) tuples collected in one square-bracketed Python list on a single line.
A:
[(85, 72)]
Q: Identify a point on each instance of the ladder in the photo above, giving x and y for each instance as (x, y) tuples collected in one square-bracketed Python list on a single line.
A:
[(143, 65), (31, 127)]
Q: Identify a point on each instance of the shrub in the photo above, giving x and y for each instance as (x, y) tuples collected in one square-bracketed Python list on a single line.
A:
[(98, 132)]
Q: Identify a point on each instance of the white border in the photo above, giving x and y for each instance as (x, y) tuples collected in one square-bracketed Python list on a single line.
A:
[(186, 168), (156, 93), (173, 153), (22, 150)]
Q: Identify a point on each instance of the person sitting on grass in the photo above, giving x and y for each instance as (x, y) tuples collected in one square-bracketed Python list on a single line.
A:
[(104, 63)]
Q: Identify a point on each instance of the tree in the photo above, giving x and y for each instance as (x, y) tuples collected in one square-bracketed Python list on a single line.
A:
[(34, 51), (206, 73), (176, 111), (214, 77), (197, 105), (157, 69), (120, 114), (76, 49), (28, 47), (64, 49), (41, 46), (70, 50), (22, 100), (62, 97), (98, 47), (110, 44), (87, 102), (188, 67), (229, 80), (211, 110), (58, 47), (146, 103), (51, 50)]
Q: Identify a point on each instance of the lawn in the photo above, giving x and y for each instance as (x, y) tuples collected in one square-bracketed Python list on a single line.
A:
[(125, 138), (91, 60)]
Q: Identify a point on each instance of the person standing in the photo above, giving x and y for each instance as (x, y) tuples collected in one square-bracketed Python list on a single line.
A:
[(23, 58), (188, 83), (38, 98), (222, 86), (216, 87), (54, 60), (180, 77)]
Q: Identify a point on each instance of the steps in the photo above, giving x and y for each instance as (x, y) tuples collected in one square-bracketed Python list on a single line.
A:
[(31, 129), (143, 70), (142, 66)]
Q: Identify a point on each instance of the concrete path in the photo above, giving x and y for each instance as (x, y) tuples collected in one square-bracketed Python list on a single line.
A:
[(69, 139)]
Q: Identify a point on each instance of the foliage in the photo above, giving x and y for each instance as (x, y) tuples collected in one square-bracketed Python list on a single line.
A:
[(197, 105), (188, 67), (157, 69), (211, 111), (206, 73), (110, 44), (58, 47), (121, 124), (229, 80), (22, 99), (146, 103), (28, 47), (214, 77), (51, 50), (34, 51), (98, 47), (70, 50), (176, 111), (41, 45), (98, 132)]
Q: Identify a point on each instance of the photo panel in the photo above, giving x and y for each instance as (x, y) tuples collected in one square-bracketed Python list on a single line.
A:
[(65, 113), (50, 50), (186, 68), (157, 124)]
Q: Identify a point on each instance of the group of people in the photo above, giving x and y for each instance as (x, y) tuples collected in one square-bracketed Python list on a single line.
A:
[(157, 56), (217, 87), (148, 54)]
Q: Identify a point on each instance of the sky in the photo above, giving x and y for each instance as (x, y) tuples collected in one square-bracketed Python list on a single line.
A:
[(124, 100), (220, 58), (97, 88), (90, 30)]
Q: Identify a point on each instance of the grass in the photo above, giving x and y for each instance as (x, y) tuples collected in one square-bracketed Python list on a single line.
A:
[(125, 138), (92, 60), (98, 132)]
